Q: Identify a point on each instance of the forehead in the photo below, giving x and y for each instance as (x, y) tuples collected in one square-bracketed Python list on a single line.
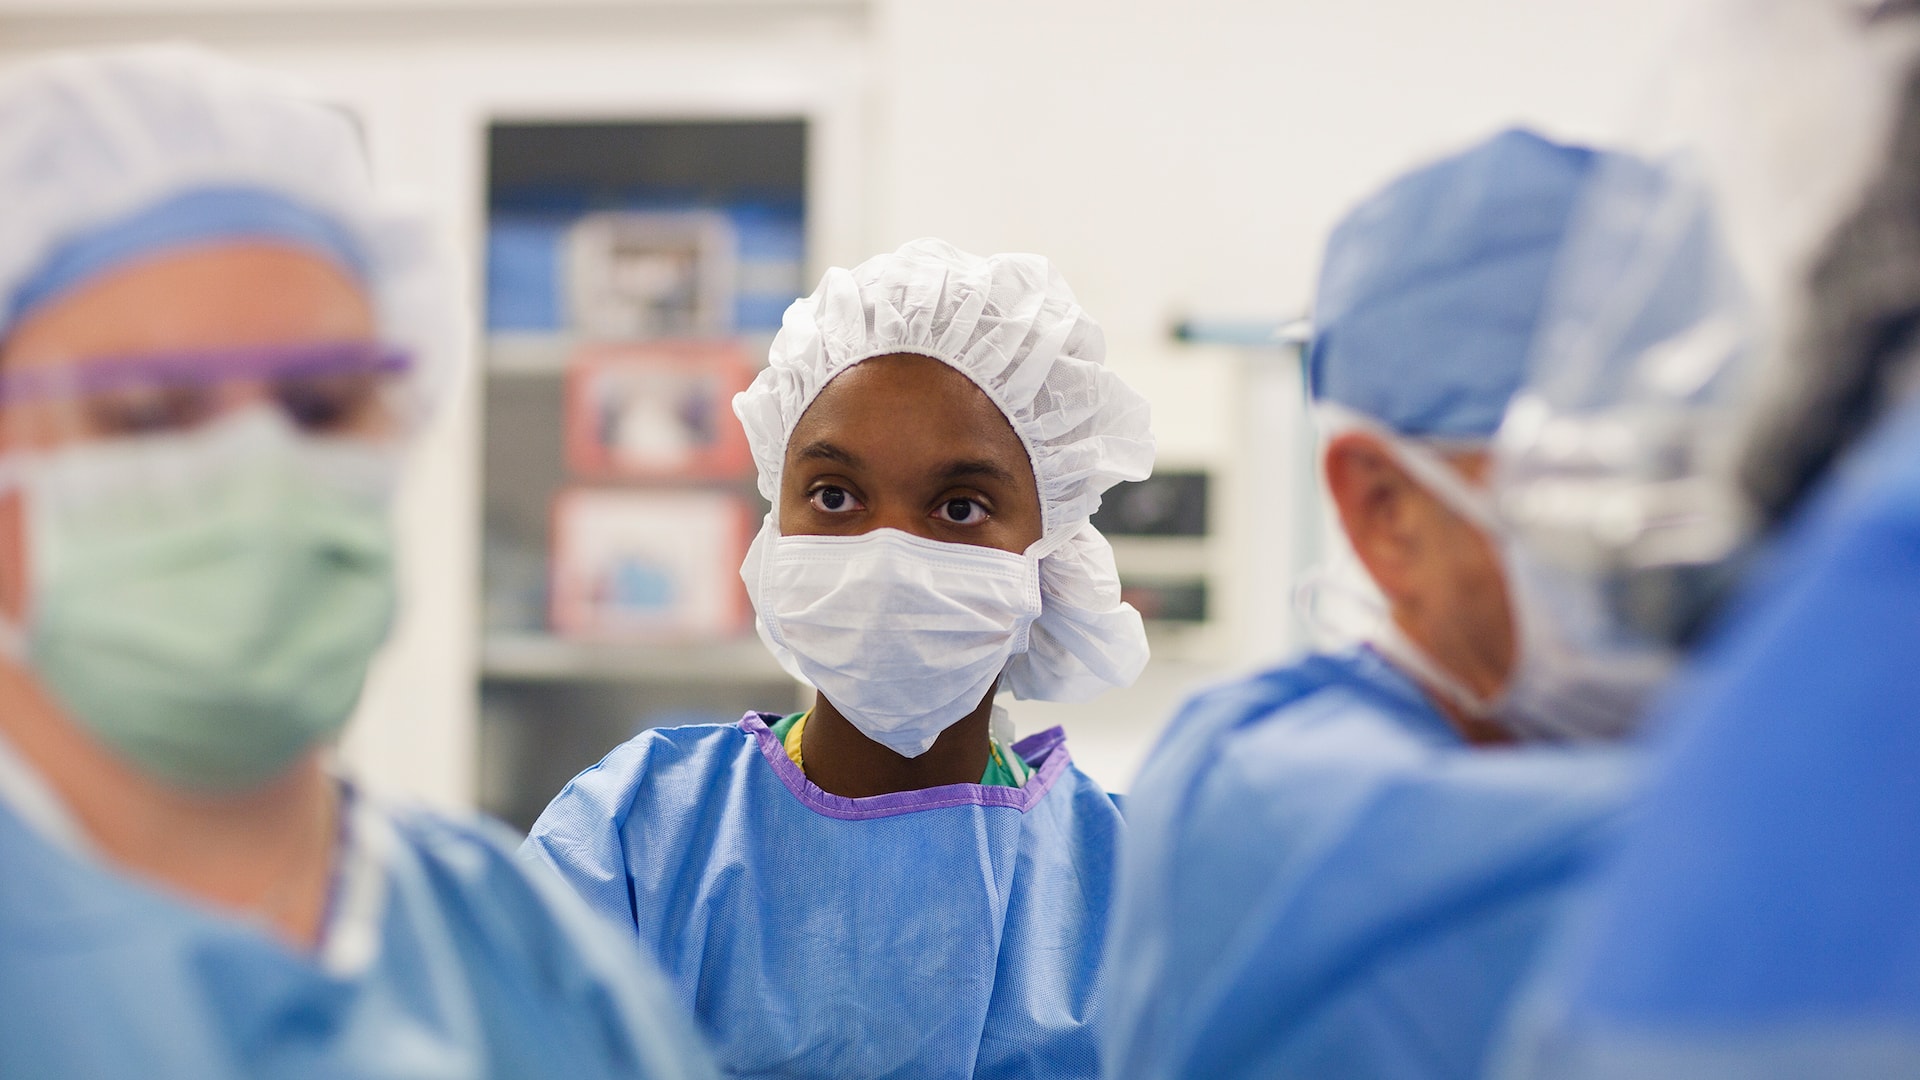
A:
[(232, 294), (906, 403)]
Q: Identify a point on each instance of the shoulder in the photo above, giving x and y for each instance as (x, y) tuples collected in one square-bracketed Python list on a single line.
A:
[(1336, 773), (657, 748), (463, 856), (1823, 626), (1847, 563), (1076, 797), (1338, 758), (680, 756), (1315, 712), (458, 877), (1312, 691), (1257, 777), (657, 777), (1883, 481), (520, 931), (1784, 783)]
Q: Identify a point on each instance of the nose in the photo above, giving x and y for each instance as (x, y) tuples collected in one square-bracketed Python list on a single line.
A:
[(241, 393), (901, 515)]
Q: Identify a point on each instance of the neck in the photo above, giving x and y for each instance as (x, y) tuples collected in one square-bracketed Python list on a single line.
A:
[(1476, 730), (842, 761), (1434, 668), (265, 854)]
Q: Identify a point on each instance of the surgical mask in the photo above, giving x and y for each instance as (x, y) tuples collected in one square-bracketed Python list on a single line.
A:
[(1560, 691), (1556, 691), (904, 635), (206, 602)]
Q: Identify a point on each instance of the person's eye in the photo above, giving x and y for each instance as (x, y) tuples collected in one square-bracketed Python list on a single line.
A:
[(148, 410), (329, 404), (961, 512), (829, 499)]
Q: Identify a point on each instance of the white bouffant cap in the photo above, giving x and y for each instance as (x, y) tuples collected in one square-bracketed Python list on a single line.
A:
[(111, 155)]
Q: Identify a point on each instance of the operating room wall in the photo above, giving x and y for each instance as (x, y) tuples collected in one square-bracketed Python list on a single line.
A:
[(1174, 159)]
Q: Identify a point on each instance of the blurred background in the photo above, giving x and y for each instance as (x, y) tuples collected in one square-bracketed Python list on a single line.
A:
[(634, 190)]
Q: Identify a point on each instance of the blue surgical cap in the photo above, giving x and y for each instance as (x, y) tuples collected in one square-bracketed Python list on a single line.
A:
[(190, 219), (1430, 289)]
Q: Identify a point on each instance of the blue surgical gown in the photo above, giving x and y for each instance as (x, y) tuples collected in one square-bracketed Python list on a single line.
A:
[(1323, 880), (948, 932), (469, 967), (1762, 918)]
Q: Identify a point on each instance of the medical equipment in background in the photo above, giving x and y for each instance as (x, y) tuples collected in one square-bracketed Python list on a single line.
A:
[(638, 567), (641, 552), (1273, 483), (651, 274), (656, 411), (1167, 513), (645, 228)]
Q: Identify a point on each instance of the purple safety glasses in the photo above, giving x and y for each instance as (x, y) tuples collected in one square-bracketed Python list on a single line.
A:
[(325, 388)]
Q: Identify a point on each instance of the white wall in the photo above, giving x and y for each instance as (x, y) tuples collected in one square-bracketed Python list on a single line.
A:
[(1173, 158)]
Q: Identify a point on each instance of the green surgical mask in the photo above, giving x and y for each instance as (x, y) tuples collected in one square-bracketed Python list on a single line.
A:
[(207, 604)]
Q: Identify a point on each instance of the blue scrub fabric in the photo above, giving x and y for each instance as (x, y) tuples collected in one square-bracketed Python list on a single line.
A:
[(950, 932), (1323, 880), (196, 217), (1430, 290), (1762, 918), (481, 970)]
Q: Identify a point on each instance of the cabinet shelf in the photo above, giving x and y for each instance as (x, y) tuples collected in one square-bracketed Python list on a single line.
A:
[(545, 658), (528, 354), (522, 355)]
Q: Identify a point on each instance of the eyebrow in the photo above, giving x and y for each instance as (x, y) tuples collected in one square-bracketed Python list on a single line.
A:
[(826, 451), (949, 473), (962, 470)]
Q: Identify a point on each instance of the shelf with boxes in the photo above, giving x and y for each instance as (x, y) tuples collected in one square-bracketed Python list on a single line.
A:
[(635, 272), (536, 658)]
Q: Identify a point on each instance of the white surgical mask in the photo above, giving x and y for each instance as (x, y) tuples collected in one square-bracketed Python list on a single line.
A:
[(1564, 688), (904, 635), (1558, 690)]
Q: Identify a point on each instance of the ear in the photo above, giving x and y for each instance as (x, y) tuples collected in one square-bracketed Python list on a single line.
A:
[(13, 518), (13, 557), (1380, 508)]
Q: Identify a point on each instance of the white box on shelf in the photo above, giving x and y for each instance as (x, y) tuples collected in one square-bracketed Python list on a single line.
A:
[(640, 275), (649, 565)]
